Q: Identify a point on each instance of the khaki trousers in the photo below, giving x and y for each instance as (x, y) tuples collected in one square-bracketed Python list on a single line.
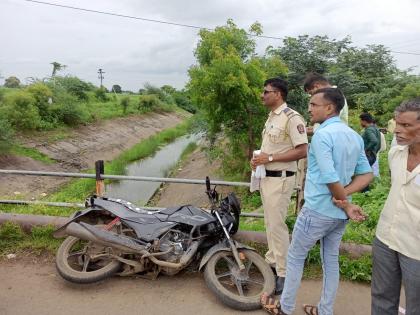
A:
[(275, 194)]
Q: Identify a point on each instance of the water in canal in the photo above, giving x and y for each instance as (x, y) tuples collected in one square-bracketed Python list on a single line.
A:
[(158, 165)]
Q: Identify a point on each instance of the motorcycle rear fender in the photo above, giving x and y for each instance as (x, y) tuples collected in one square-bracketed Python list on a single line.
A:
[(221, 247), (75, 218)]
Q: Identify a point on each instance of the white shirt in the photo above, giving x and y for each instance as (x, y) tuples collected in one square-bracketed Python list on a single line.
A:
[(399, 223)]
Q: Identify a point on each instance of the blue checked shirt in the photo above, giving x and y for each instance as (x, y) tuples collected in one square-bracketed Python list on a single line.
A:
[(336, 153)]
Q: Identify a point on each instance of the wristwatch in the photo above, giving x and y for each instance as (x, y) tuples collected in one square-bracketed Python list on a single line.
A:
[(270, 158)]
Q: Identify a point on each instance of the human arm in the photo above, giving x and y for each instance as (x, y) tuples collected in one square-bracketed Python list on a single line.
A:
[(358, 183), (291, 155)]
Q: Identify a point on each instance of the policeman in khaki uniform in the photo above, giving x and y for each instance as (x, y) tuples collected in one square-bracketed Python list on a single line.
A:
[(284, 141)]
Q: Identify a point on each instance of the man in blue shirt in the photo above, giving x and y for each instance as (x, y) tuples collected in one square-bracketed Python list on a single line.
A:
[(337, 167)]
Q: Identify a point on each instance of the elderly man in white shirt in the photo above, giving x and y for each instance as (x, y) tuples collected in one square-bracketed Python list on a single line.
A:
[(396, 248)]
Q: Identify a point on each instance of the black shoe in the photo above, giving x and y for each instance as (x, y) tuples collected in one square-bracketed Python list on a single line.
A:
[(279, 285)]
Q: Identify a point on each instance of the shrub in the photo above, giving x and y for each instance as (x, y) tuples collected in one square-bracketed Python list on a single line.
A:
[(125, 102), (41, 93), (6, 134), (100, 94), (12, 82), (69, 110), (21, 112), (74, 86), (149, 102)]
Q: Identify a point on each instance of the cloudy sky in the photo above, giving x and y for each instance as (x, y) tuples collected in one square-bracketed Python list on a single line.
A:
[(133, 52)]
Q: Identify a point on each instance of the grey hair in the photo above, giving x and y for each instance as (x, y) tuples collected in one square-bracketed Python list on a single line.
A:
[(412, 105)]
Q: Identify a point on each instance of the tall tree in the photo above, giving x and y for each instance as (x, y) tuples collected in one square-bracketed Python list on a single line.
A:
[(226, 84), (57, 67), (116, 88), (12, 82)]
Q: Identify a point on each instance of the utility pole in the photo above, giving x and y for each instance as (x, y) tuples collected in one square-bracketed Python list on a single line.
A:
[(100, 76)]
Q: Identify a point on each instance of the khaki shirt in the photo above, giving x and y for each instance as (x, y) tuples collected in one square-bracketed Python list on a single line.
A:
[(283, 132), (399, 223)]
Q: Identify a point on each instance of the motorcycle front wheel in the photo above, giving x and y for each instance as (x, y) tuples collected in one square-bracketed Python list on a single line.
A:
[(238, 289), (82, 261)]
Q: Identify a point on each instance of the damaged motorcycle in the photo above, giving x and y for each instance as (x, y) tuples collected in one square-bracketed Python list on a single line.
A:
[(113, 236)]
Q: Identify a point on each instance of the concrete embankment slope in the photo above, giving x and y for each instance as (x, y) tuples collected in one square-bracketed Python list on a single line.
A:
[(79, 150)]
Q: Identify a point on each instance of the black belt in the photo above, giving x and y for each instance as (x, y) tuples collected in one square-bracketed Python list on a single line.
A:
[(278, 173)]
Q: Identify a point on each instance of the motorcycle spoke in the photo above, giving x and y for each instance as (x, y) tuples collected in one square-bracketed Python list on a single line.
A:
[(248, 266), (255, 281), (78, 253), (225, 274), (86, 263), (239, 287)]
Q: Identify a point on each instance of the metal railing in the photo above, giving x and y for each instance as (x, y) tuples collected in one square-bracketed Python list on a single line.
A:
[(100, 177)]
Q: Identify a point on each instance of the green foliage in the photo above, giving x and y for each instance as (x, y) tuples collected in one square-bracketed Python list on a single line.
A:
[(13, 239), (10, 233), (226, 85), (356, 269), (149, 102), (73, 85), (68, 110), (12, 82), (125, 102), (6, 135), (42, 94), (20, 110), (100, 94), (17, 149), (116, 88)]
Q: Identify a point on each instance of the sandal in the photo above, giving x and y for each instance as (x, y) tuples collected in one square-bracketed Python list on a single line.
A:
[(310, 309), (271, 305)]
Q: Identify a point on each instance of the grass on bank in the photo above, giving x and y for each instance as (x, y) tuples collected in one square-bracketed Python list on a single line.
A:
[(77, 190), (14, 240), (32, 153)]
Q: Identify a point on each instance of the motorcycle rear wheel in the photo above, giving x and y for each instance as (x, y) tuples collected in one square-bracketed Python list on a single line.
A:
[(74, 264), (239, 290)]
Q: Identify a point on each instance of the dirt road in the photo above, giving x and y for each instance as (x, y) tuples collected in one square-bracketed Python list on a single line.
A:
[(28, 288), (79, 150)]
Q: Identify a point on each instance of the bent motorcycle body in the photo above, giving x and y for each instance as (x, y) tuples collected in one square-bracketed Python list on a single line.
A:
[(148, 225)]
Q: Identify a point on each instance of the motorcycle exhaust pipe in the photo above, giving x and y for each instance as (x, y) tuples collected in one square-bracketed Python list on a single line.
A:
[(91, 233), (88, 232), (185, 259)]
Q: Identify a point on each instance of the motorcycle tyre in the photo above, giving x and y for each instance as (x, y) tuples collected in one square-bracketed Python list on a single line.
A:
[(75, 276), (232, 300)]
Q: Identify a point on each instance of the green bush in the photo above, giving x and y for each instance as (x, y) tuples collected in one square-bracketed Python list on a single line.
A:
[(42, 94), (100, 94), (20, 110), (74, 86), (68, 110), (125, 102), (6, 134), (149, 102)]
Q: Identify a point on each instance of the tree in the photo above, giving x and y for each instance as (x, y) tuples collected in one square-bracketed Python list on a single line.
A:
[(12, 82), (116, 88), (226, 85), (57, 67)]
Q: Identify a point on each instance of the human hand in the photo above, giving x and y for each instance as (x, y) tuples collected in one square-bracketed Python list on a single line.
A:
[(259, 159), (354, 212)]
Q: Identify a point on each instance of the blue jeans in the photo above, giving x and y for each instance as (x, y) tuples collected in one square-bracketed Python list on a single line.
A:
[(310, 227)]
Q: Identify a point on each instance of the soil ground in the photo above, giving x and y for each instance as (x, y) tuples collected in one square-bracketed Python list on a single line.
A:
[(79, 150), (29, 287)]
